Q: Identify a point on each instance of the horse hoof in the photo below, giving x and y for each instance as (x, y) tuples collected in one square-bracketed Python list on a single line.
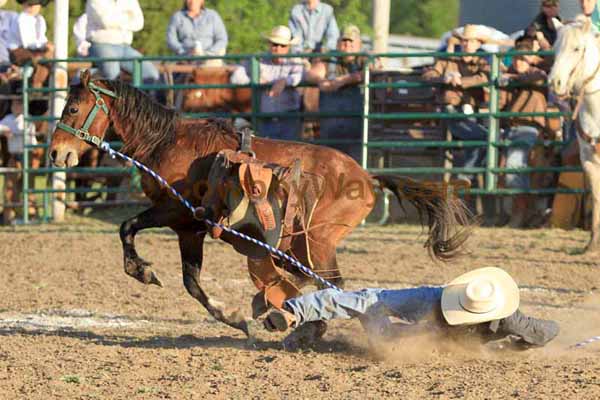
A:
[(153, 280), (251, 328), (259, 305)]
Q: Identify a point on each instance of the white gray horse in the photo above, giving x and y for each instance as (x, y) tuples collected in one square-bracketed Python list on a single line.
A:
[(576, 72)]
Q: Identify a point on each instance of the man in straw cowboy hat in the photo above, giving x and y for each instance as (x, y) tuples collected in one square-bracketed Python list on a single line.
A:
[(283, 75), (462, 79), (483, 303)]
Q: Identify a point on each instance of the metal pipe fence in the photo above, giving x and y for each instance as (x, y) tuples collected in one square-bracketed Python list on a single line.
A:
[(490, 169)]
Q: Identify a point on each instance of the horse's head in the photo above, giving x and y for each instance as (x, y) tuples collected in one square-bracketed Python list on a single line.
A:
[(83, 123), (577, 56)]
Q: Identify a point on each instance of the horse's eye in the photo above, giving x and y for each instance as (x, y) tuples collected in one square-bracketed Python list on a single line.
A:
[(576, 49), (73, 110)]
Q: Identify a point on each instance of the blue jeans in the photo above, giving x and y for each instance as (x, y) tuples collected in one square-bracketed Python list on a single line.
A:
[(280, 128), (111, 69), (517, 157), (468, 129)]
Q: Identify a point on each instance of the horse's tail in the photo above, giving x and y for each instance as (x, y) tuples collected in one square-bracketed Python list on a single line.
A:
[(448, 219)]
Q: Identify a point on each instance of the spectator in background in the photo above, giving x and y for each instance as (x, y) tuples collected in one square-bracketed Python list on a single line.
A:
[(283, 75), (12, 126), (529, 96), (79, 31), (338, 82), (197, 30), (462, 78), (314, 24), (111, 24), (6, 18), (590, 9), (542, 28), (27, 41)]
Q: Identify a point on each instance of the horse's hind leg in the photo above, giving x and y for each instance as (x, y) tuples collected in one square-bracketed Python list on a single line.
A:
[(592, 172), (134, 265), (191, 247)]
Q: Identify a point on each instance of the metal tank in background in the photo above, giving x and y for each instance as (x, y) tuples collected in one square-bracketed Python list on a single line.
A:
[(509, 15)]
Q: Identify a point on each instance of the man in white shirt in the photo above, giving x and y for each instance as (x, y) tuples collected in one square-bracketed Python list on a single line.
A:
[(110, 28), (27, 40), (80, 31)]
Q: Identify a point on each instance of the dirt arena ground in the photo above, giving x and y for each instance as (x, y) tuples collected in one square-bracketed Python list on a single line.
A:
[(74, 326)]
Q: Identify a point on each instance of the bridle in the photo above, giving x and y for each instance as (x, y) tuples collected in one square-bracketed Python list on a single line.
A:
[(83, 132)]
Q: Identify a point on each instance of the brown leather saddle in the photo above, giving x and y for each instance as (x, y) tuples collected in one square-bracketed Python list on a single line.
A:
[(268, 202)]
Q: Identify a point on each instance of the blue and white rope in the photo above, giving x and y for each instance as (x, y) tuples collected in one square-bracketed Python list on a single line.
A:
[(586, 342), (114, 153)]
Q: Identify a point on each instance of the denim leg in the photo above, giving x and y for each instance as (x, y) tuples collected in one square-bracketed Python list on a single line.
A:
[(517, 157), (327, 304), (149, 71), (109, 69), (280, 129), (470, 130)]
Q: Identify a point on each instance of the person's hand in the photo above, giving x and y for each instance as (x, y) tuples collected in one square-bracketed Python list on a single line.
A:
[(456, 80), (277, 88), (504, 80)]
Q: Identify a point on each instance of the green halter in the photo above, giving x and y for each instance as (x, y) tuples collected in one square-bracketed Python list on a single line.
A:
[(83, 133)]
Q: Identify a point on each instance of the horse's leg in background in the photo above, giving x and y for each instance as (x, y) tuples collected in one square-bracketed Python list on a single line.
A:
[(191, 246), (592, 174), (135, 266)]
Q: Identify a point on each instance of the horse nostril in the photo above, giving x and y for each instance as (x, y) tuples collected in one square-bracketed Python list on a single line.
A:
[(53, 155)]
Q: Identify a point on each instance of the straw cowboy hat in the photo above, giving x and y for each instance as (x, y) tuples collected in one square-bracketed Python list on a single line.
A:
[(472, 32), (482, 295), (281, 35)]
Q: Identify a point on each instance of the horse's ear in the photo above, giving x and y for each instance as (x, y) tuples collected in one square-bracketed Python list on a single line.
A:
[(557, 24), (85, 77)]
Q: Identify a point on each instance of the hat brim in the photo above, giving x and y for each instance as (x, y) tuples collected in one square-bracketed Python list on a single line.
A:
[(278, 40), (507, 303), (42, 3)]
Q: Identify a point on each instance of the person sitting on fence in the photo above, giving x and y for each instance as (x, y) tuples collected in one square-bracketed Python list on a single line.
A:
[(12, 126), (528, 95), (27, 41), (542, 28), (282, 75), (314, 24), (480, 305), (463, 78), (111, 24), (198, 31), (338, 82)]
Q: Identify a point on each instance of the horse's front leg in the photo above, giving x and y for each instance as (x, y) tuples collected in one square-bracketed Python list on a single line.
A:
[(135, 266), (592, 172), (191, 247)]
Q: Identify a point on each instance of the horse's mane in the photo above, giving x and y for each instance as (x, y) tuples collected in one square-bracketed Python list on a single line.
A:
[(154, 123)]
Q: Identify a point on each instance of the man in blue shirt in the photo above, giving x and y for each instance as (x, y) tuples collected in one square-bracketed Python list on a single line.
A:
[(6, 18), (313, 24), (482, 303), (197, 30)]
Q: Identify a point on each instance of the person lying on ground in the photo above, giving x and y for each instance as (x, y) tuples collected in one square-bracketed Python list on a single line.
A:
[(482, 304)]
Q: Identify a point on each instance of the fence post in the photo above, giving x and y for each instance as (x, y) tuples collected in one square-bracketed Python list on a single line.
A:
[(365, 116), (61, 40), (137, 73), (25, 166), (254, 83), (494, 128)]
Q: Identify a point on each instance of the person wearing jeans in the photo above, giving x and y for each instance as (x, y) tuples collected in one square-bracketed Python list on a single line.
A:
[(111, 24)]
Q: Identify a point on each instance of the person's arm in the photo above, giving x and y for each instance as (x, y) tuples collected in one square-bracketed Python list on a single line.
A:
[(332, 33), (479, 78), (292, 80), (296, 28), (529, 331), (534, 76), (221, 39), (435, 74), (172, 37)]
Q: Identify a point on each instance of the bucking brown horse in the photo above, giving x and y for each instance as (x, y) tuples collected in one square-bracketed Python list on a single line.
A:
[(183, 151)]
